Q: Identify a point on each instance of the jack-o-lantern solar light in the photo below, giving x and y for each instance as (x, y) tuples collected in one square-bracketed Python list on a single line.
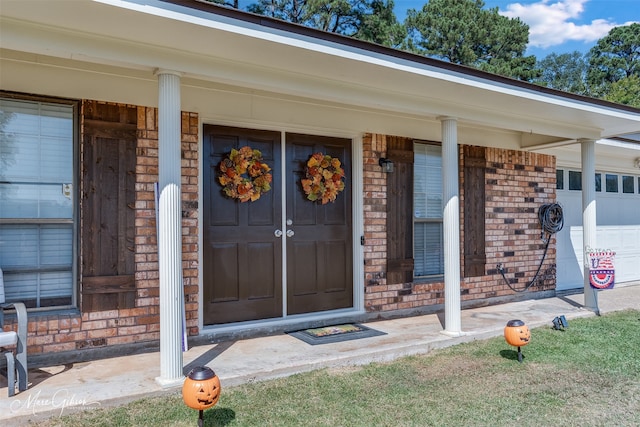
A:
[(517, 334), (201, 390)]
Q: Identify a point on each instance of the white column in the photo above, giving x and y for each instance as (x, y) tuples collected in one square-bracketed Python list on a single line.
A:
[(170, 236), (588, 151), (451, 227)]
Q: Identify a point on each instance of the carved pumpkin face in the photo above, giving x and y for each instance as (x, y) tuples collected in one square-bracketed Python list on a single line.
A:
[(201, 393), (517, 333)]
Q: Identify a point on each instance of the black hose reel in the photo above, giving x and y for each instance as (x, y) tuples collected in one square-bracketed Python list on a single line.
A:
[(551, 221)]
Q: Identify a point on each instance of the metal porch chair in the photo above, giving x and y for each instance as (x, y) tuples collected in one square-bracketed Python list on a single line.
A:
[(14, 345)]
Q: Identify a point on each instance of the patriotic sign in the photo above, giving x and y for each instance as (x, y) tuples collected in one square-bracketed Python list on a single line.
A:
[(601, 269)]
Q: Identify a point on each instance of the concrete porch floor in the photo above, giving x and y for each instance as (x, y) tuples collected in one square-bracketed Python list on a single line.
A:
[(56, 390)]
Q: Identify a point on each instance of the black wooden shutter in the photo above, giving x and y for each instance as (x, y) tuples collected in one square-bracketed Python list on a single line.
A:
[(474, 218), (400, 211), (108, 202)]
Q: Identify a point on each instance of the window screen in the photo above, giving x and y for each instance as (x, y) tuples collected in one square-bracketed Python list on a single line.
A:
[(36, 201), (427, 205)]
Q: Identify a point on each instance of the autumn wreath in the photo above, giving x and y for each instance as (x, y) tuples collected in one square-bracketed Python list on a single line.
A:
[(244, 175), (323, 178)]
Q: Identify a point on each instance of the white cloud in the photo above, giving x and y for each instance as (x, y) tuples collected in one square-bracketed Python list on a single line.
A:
[(550, 22)]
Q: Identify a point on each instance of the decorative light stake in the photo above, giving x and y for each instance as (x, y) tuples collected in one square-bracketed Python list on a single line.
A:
[(560, 323), (201, 390), (517, 334)]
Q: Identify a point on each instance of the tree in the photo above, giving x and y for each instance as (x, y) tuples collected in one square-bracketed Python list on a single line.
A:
[(231, 3), (615, 57), (462, 32), (380, 25), (371, 20), (566, 72), (295, 11), (625, 91)]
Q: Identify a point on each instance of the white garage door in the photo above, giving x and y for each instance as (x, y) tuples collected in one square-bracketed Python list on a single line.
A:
[(618, 218)]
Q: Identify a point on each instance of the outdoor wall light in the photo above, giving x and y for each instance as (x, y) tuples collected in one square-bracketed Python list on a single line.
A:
[(386, 164)]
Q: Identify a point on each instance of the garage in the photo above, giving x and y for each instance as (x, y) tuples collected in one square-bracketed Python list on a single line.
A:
[(617, 210)]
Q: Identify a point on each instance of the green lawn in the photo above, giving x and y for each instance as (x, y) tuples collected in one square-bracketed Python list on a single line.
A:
[(587, 375)]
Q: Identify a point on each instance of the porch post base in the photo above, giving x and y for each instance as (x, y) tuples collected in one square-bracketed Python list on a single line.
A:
[(453, 334), (170, 382)]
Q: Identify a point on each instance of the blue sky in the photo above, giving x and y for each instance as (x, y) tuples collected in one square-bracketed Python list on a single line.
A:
[(558, 26)]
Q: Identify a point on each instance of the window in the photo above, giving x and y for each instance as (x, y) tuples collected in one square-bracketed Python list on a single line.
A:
[(627, 184), (427, 207), (37, 201), (575, 180), (559, 179), (611, 183), (598, 182)]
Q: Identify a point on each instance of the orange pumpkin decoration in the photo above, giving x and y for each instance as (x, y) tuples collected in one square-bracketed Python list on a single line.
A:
[(201, 388), (517, 333)]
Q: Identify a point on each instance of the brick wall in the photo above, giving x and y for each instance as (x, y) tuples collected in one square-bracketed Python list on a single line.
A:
[(70, 332), (375, 219), (517, 184)]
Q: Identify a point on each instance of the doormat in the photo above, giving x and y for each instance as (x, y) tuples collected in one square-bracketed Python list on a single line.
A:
[(335, 333)]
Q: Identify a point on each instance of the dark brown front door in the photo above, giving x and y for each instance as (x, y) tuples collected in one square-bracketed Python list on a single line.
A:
[(319, 253), (242, 257), (243, 242)]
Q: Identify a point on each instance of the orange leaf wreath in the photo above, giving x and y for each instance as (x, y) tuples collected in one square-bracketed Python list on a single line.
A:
[(244, 175), (323, 178)]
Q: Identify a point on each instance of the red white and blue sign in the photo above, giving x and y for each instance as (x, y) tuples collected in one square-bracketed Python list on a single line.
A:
[(601, 269)]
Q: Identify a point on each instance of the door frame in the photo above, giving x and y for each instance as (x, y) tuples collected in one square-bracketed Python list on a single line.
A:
[(357, 229)]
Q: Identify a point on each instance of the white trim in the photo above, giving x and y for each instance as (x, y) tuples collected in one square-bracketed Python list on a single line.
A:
[(283, 220), (279, 322), (201, 124), (589, 220), (171, 283), (451, 226), (357, 225), (282, 37)]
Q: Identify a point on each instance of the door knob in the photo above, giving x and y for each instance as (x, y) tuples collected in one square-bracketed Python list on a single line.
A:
[(277, 233), (290, 233)]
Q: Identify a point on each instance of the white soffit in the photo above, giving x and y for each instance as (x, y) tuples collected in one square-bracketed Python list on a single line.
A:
[(205, 45)]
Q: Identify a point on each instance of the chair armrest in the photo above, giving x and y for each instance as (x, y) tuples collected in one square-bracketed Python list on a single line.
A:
[(8, 339), (21, 314), (21, 345)]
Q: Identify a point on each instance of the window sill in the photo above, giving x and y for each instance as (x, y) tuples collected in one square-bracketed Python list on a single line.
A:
[(430, 279)]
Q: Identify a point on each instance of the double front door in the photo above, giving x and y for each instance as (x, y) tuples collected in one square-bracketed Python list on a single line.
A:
[(281, 254)]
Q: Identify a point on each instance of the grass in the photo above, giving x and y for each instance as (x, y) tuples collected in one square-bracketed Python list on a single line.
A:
[(587, 375)]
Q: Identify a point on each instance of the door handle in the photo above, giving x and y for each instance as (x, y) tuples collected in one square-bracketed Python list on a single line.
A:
[(277, 233), (290, 233)]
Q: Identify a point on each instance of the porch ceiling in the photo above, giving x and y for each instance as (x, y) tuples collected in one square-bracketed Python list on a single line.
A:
[(215, 44)]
